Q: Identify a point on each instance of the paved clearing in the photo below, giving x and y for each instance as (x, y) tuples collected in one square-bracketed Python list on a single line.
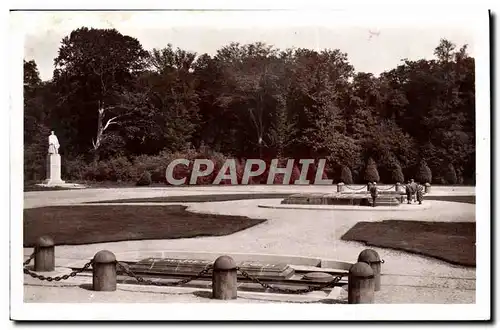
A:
[(313, 233)]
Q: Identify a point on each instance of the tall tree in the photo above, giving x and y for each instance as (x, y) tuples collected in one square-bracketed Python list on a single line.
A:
[(252, 88), (36, 117), (95, 72), (173, 102)]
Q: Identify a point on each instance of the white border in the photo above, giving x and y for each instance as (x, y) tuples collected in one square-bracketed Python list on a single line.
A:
[(425, 12)]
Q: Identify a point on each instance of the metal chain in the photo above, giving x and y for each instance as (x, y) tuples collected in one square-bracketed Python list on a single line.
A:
[(290, 291), (386, 189), (202, 273), (149, 282), (27, 262), (364, 187), (56, 278)]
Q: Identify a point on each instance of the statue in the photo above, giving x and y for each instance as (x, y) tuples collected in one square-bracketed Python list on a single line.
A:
[(53, 144)]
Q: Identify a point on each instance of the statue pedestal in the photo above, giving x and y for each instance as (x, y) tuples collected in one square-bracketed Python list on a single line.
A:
[(53, 170)]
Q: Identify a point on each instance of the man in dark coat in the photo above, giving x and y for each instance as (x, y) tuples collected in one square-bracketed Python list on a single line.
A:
[(420, 194), (408, 192), (414, 186), (373, 192)]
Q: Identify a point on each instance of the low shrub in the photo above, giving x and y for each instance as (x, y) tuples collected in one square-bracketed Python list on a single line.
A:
[(424, 174), (397, 175), (451, 175), (346, 175), (144, 180), (371, 172)]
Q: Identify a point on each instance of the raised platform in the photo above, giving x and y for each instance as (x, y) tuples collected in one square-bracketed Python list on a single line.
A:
[(170, 266), (385, 198), (311, 207), (293, 272)]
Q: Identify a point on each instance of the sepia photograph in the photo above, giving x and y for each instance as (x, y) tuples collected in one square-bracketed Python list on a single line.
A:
[(250, 165)]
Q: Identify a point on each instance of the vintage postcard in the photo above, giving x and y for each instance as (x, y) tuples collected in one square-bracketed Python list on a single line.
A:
[(292, 164)]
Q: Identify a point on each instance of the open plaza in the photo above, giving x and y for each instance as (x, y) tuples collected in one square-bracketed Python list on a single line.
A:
[(295, 234)]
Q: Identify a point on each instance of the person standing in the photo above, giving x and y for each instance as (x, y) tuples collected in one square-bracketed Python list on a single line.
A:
[(413, 185), (420, 194), (374, 193), (408, 192)]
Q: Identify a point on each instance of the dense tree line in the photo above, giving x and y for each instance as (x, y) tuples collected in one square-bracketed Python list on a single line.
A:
[(114, 104)]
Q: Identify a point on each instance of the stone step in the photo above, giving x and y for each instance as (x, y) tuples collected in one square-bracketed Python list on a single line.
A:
[(360, 198)]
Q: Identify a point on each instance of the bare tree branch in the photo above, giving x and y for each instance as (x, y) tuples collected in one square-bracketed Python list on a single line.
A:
[(110, 122)]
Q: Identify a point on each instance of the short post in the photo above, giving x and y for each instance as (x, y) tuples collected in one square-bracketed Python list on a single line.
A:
[(340, 187), (104, 271), (372, 258), (361, 284), (398, 186), (45, 258), (224, 279), (427, 188)]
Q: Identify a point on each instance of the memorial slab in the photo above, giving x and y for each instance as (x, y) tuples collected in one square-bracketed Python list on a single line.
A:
[(189, 267)]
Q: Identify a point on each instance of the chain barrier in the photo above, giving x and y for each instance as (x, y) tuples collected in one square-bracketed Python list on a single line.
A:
[(202, 273), (27, 262), (290, 291), (387, 188), (140, 279), (55, 278), (364, 187)]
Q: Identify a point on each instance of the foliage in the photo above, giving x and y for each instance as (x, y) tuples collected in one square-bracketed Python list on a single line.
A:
[(424, 174), (451, 175), (346, 175), (145, 179), (120, 110), (371, 172), (397, 175), (95, 72)]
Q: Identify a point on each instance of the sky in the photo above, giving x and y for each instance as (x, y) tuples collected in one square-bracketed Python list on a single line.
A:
[(373, 43)]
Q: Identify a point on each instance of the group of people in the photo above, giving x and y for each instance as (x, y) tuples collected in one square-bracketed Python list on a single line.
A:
[(414, 192)]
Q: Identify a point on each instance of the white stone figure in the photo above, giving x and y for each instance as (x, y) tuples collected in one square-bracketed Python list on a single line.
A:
[(53, 162), (53, 144), (53, 166)]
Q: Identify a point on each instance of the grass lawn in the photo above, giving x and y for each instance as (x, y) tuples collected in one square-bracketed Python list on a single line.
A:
[(72, 225), (454, 242)]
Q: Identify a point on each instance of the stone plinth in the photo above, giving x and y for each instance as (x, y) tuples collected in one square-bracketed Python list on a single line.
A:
[(385, 198), (53, 170), (167, 266)]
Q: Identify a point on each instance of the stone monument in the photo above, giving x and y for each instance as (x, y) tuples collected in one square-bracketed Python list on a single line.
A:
[(53, 162)]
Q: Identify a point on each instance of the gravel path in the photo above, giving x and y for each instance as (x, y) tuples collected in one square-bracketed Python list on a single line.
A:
[(313, 233)]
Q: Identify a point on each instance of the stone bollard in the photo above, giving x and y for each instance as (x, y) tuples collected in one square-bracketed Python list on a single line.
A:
[(224, 279), (104, 271), (372, 258), (45, 258), (361, 284), (398, 187), (427, 188), (340, 187)]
